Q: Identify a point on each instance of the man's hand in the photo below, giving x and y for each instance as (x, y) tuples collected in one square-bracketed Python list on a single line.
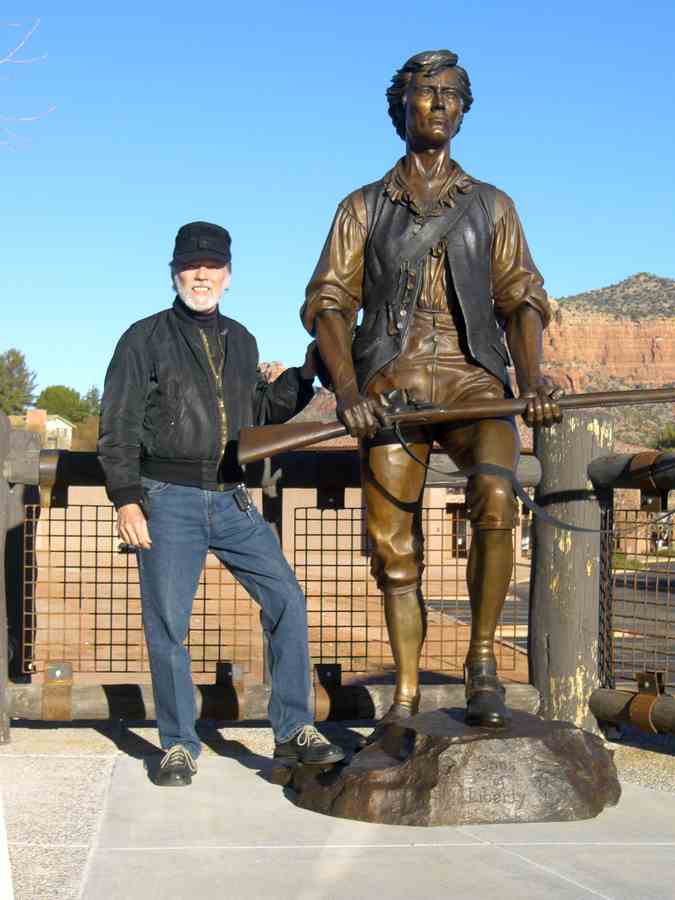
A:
[(542, 409), (360, 415), (132, 526), (311, 364)]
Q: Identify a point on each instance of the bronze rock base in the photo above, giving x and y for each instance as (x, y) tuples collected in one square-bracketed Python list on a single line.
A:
[(438, 771)]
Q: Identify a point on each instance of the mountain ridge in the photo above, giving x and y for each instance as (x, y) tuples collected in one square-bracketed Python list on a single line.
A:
[(640, 296)]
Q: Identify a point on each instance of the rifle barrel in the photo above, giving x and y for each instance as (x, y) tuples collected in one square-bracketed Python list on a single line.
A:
[(617, 398), (258, 443), (488, 409)]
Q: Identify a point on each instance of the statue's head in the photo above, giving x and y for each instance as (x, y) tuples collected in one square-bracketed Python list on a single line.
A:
[(426, 84)]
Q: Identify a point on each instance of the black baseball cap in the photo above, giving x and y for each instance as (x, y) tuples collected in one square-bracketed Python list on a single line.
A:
[(198, 240)]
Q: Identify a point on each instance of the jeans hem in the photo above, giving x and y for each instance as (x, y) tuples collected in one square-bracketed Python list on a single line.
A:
[(296, 729), (195, 754)]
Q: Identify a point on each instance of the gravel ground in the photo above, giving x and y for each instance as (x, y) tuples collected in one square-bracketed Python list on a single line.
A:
[(646, 759)]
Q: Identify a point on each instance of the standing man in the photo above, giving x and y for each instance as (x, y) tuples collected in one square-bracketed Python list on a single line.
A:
[(180, 386), (438, 264)]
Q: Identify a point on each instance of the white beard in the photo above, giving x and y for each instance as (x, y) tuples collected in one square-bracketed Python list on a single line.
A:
[(204, 303)]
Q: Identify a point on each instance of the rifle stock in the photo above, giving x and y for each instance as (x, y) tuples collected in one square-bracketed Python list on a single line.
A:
[(266, 440)]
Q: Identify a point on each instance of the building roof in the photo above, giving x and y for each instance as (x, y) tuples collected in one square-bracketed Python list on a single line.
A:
[(53, 417)]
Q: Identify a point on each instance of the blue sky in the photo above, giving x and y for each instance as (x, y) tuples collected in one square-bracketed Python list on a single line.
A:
[(263, 116)]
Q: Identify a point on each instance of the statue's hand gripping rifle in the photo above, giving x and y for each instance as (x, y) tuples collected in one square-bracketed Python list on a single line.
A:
[(266, 440)]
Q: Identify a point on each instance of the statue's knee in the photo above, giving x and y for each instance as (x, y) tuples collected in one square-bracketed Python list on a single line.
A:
[(491, 503), (394, 570)]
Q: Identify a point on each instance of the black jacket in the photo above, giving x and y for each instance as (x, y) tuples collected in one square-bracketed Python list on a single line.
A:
[(160, 415), (396, 253)]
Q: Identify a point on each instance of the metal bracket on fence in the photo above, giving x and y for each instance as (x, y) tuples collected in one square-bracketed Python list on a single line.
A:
[(654, 503), (328, 678), (57, 692), (228, 701), (330, 498), (650, 688), (49, 462)]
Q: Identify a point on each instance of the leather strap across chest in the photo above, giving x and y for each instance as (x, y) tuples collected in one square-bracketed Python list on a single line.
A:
[(420, 238)]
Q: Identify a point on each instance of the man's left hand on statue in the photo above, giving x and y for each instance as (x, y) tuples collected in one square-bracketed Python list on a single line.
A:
[(310, 367), (542, 409)]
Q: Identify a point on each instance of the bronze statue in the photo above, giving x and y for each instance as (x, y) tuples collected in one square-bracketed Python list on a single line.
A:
[(437, 263)]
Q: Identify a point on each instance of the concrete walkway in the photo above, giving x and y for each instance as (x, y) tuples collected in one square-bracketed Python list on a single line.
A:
[(83, 821)]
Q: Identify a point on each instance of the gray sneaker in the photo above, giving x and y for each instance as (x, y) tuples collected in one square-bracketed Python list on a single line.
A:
[(176, 768)]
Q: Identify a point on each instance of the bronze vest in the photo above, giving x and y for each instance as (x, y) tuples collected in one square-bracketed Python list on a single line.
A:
[(396, 251)]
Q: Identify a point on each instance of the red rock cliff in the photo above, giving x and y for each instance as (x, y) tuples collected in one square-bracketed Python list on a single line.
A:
[(583, 348)]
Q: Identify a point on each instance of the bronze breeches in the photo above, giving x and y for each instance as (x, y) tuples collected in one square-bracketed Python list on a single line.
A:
[(433, 368)]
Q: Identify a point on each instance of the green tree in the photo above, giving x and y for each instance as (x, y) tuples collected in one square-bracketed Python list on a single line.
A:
[(85, 434), (60, 400), (17, 383), (665, 439), (92, 400)]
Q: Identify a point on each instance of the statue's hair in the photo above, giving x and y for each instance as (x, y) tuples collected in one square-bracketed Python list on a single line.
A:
[(429, 62)]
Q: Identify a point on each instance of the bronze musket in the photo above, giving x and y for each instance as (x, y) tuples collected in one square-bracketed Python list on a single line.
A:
[(266, 440)]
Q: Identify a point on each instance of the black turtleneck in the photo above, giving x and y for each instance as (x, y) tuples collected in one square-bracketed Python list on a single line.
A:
[(204, 319), (208, 322)]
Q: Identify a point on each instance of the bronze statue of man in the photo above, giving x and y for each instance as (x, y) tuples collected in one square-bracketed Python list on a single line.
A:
[(438, 265)]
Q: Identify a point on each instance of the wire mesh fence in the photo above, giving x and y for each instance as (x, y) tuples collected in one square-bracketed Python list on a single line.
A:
[(82, 597), (82, 601), (346, 618), (643, 595)]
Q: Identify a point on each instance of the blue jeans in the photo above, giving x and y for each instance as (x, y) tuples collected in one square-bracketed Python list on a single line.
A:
[(184, 523)]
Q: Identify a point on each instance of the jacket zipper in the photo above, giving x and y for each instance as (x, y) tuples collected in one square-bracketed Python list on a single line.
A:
[(219, 394)]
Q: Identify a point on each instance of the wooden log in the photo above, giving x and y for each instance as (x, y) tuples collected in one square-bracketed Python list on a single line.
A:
[(651, 471), (298, 468), (4, 660), (134, 702), (614, 707), (565, 585), (611, 706)]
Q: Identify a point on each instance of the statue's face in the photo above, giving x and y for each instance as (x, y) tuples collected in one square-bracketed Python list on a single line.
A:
[(433, 109)]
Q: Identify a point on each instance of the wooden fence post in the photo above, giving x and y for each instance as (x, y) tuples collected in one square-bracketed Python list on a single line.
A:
[(4, 502), (565, 585)]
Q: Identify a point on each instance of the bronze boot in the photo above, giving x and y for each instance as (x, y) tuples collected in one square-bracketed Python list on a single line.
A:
[(488, 576), (485, 706)]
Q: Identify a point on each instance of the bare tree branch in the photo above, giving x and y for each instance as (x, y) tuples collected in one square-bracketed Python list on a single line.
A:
[(10, 57), (9, 138), (12, 138), (33, 118)]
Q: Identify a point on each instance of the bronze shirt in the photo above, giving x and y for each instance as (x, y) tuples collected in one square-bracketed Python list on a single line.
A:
[(433, 358)]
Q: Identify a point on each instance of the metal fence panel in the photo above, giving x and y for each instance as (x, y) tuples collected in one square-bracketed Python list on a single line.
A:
[(643, 602), (82, 598), (346, 619), (82, 601)]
